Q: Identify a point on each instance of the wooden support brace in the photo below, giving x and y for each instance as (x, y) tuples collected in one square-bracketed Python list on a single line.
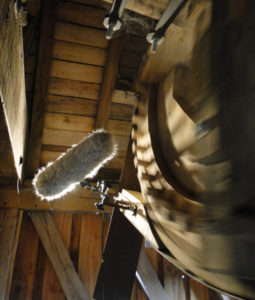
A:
[(59, 257), (10, 221)]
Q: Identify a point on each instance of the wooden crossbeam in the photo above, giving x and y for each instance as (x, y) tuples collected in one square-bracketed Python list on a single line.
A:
[(41, 84), (79, 200), (59, 257), (110, 73), (10, 222), (149, 280)]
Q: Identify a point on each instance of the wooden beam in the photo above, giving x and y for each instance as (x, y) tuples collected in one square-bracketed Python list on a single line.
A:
[(12, 81), (149, 280), (59, 257), (110, 73), (10, 221), (79, 200), (41, 84)]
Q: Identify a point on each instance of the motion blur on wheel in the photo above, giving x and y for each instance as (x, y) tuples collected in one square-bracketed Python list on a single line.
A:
[(194, 142)]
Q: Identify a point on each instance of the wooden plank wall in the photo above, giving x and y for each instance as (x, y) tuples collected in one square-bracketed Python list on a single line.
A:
[(34, 276)]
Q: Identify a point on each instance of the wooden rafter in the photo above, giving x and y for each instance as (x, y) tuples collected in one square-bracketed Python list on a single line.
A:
[(110, 73), (41, 84), (59, 257)]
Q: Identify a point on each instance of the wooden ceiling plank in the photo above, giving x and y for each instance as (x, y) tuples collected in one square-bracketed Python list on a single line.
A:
[(59, 257), (81, 35), (71, 105), (82, 15), (111, 69), (41, 84), (73, 88), (76, 71), (79, 53), (10, 228), (149, 280)]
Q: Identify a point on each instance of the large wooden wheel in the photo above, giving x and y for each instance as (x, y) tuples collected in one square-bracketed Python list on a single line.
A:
[(193, 142)]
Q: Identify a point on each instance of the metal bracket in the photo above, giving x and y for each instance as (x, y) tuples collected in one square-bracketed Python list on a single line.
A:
[(156, 37), (112, 22), (107, 199)]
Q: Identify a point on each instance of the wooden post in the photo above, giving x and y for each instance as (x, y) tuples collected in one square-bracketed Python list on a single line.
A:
[(41, 84), (59, 257), (10, 221)]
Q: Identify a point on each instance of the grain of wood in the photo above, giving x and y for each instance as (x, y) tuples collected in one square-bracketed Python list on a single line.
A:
[(71, 105), (51, 288), (121, 112), (68, 122), (25, 263), (80, 35), (117, 127), (75, 239), (10, 228), (80, 14), (12, 82), (59, 257), (124, 97), (7, 166), (72, 88), (76, 71), (79, 53), (90, 250)]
